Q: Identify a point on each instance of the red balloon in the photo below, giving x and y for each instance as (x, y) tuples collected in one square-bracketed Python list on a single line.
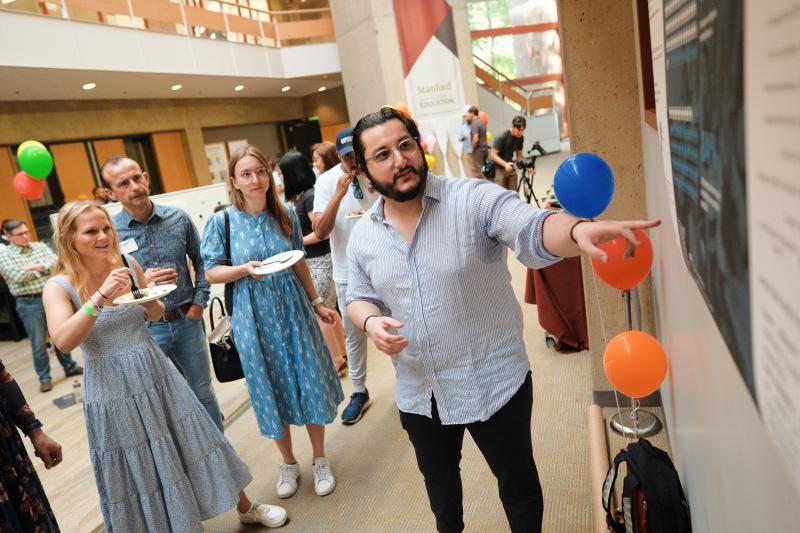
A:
[(28, 187), (635, 363), (621, 272), (424, 145), (484, 117)]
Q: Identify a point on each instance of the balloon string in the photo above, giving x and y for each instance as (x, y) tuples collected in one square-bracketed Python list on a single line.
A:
[(605, 343)]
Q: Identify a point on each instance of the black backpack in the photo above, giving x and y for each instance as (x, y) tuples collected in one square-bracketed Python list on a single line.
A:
[(652, 497)]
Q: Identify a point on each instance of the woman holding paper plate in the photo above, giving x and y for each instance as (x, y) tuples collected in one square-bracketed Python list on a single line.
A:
[(159, 461), (286, 364)]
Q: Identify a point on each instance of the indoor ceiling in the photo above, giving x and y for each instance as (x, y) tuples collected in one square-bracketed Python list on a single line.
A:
[(27, 84)]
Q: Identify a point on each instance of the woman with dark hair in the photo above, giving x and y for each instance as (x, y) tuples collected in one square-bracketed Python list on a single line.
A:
[(299, 182), (286, 365), (324, 157), (23, 503)]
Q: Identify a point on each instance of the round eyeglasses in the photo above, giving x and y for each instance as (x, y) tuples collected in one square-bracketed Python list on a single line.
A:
[(385, 156)]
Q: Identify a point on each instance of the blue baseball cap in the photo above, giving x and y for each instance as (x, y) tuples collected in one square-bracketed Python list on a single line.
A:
[(344, 141)]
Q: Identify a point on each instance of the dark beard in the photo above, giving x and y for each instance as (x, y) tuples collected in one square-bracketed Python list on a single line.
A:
[(390, 192)]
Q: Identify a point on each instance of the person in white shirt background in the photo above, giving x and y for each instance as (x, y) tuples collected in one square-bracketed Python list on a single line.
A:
[(339, 195)]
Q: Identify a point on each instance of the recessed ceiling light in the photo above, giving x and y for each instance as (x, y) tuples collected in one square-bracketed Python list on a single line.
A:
[(238, 88), (285, 88), (89, 86), (322, 88), (177, 87)]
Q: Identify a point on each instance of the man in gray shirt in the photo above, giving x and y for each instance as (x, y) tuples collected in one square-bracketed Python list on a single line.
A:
[(480, 149), (161, 237), (430, 285)]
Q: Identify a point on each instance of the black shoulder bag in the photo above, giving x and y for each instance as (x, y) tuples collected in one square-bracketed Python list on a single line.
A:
[(224, 356)]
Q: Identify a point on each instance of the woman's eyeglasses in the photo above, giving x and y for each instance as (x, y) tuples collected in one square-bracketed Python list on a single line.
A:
[(249, 176), (385, 156)]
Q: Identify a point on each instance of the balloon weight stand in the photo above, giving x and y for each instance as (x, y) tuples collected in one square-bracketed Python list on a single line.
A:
[(645, 425)]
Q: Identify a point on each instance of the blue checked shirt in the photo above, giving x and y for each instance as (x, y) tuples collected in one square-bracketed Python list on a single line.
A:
[(168, 235), (451, 288)]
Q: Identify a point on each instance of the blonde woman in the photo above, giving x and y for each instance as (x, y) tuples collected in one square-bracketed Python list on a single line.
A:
[(287, 366), (159, 461)]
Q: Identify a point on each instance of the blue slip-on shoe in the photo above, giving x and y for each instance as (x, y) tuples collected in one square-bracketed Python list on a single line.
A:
[(359, 403)]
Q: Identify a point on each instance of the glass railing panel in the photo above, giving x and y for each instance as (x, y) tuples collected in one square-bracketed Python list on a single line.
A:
[(52, 9), (242, 21)]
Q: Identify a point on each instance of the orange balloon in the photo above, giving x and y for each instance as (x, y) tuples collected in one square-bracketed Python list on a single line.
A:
[(635, 363), (403, 108), (483, 117), (625, 273)]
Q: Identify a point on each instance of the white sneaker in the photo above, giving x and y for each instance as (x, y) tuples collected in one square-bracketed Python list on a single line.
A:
[(324, 482), (267, 515), (287, 483)]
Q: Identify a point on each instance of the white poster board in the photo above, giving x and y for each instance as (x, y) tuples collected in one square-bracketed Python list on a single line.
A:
[(772, 74), (233, 145), (217, 162)]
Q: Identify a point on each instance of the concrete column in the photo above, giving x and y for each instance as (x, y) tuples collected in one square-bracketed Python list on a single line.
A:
[(196, 150), (599, 52)]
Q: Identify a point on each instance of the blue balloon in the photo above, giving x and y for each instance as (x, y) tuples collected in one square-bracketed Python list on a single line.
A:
[(584, 185)]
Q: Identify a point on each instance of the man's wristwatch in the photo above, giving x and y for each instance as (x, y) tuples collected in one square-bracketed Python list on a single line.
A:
[(315, 302)]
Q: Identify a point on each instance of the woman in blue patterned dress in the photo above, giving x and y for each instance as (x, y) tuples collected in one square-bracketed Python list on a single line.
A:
[(287, 366), (160, 462)]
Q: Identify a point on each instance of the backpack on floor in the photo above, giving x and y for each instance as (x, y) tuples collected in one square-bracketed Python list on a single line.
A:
[(652, 497)]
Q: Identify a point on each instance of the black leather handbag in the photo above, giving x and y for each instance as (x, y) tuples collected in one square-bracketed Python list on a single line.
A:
[(224, 356)]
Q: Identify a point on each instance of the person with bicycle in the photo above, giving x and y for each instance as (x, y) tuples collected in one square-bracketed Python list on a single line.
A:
[(505, 147)]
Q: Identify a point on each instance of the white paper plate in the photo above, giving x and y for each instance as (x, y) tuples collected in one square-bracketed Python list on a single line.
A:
[(279, 262), (356, 214), (151, 293)]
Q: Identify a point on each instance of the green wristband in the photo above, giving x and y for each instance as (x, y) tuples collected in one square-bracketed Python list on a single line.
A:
[(89, 310)]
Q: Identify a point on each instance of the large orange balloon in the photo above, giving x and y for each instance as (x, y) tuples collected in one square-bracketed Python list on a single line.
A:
[(635, 363), (483, 117), (621, 272)]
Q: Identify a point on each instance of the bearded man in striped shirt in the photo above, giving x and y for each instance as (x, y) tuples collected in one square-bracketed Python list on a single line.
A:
[(429, 283)]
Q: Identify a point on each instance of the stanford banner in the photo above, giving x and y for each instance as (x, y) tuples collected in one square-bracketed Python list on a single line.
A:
[(434, 90)]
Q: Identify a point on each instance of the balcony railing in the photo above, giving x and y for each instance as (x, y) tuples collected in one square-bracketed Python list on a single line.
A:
[(514, 94), (215, 19)]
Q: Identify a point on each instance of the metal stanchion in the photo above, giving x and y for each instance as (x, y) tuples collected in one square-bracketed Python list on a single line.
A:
[(634, 421)]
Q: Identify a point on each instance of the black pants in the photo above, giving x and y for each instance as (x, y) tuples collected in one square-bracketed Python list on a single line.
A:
[(505, 442)]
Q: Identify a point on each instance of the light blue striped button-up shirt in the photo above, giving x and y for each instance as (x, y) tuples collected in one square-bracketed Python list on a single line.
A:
[(451, 288)]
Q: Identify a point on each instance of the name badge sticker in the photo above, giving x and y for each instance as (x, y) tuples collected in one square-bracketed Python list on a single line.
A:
[(128, 246)]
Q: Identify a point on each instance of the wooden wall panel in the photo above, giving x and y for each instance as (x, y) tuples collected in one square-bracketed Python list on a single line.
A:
[(74, 170), (106, 148), (172, 161), (329, 132), (13, 205)]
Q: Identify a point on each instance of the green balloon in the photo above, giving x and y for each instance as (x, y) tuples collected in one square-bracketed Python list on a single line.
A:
[(36, 161)]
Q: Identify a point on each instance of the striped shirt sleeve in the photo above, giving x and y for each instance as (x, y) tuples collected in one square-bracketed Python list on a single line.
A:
[(506, 218), (359, 285)]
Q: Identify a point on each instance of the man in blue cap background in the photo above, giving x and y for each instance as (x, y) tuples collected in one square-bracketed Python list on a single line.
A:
[(341, 195)]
